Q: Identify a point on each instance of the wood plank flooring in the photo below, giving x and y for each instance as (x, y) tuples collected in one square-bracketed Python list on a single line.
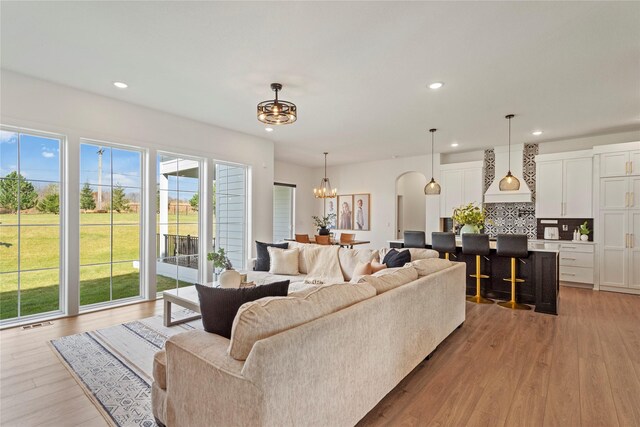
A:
[(502, 368)]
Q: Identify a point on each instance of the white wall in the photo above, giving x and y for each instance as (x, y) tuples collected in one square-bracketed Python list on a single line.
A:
[(305, 203), (379, 179), (411, 187), (586, 143)]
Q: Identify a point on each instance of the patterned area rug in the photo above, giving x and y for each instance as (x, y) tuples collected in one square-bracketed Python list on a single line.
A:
[(114, 365)]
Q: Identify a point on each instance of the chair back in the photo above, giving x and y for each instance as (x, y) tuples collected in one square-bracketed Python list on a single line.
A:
[(414, 239), (347, 237), (323, 240), (302, 238), (475, 244), (512, 245), (443, 242)]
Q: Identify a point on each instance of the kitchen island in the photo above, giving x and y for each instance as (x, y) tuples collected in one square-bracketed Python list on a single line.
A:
[(539, 270)]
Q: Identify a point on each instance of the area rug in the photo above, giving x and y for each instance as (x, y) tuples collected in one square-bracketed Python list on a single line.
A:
[(114, 365)]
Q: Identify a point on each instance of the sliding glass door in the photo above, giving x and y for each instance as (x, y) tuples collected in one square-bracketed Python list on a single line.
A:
[(30, 224)]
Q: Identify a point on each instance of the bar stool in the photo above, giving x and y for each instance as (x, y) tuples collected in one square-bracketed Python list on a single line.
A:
[(478, 245), (444, 242), (414, 239), (514, 246)]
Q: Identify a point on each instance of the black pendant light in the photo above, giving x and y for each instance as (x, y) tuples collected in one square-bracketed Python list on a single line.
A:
[(432, 188), (277, 111), (509, 182)]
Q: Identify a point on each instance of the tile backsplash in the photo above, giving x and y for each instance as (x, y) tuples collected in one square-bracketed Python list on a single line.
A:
[(570, 223)]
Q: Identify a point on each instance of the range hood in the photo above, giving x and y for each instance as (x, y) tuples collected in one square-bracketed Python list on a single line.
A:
[(493, 193)]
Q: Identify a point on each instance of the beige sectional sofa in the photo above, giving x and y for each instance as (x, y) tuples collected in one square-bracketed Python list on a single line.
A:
[(323, 356)]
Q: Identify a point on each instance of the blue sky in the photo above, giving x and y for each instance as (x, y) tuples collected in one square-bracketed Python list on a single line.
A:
[(39, 156)]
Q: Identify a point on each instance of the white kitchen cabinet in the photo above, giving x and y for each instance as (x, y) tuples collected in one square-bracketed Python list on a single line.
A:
[(577, 262), (634, 249), (461, 184), (564, 185), (613, 250), (621, 163), (614, 193)]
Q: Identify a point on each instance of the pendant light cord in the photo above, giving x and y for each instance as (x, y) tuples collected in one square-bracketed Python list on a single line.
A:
[(431, 155), (509, 144)]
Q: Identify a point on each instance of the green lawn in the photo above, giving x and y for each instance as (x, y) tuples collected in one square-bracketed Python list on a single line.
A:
[(39, 249)]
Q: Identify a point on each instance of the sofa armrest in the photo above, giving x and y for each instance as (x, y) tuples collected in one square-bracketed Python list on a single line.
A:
[(198, 367)]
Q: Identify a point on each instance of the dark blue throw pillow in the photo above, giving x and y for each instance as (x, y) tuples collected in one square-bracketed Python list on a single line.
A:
[(219, 306), (263, 260), (394, 258)]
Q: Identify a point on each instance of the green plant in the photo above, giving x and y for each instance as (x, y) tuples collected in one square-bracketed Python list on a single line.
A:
[(219, 259), (86, 198), (9, 193), (583, 229), (195, 201), (49, 204), (323, 221), (119, 202), (469, 214)]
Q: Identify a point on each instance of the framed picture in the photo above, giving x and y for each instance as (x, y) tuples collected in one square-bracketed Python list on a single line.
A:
[(362, 212), (330, 207), (345, 212)]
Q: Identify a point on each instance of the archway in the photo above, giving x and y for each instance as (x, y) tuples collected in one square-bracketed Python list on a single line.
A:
[(411, 209)]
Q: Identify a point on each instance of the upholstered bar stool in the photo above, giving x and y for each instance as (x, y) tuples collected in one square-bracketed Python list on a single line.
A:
[(478, 245), (444, 242), (514, 246), (414, 239)]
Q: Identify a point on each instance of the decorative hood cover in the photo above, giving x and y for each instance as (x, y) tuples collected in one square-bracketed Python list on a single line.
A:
[(493, 193)]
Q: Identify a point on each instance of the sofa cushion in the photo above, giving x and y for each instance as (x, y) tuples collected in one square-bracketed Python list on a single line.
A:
[(428, 266), (391, 278), (302, 262), (160, 369), (283, 261), (416, 253), (349, 258), (262, 254), (219, 306), (269, 316), (394, 258), (377, 266)]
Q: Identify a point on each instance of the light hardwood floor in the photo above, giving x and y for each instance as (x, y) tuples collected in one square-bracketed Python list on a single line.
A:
[(501, 368)]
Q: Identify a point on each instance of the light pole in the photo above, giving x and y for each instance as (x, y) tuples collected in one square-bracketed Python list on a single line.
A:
[(100, 152)]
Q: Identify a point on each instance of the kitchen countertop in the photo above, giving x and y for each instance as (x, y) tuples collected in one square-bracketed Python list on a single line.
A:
[(534, 245)]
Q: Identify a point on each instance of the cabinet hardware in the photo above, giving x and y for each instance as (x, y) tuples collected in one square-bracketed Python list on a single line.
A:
[(567, 247), (626, 168), (569, 259), (567, 274)]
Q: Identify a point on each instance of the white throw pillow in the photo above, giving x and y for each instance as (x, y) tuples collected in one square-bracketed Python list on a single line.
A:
[(283, 261)]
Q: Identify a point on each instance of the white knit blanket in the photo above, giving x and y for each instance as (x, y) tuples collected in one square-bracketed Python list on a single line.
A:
[(324, 265)]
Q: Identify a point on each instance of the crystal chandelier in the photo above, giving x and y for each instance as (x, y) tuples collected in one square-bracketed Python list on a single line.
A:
[(277, 111), (432, 188), (509, 182), (325, 191)]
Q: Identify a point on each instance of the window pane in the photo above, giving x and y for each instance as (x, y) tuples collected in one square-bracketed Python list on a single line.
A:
[(126, 168), (95, 244), (126, 242), (282, 212), (39, 291), (95, 284), (40, 247), (9, 196), (8, 248), (126, 280), (8, 295), (39, 158), (8, 152), (230, 212), (130, 214), (95, 164), (166, 274)]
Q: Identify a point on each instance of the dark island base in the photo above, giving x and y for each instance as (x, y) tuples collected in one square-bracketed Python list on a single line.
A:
[(539, 270)]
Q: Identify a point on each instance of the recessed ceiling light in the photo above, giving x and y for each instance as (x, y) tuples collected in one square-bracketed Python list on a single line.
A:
[(120, 85), (436, 85), (268, 129), (455, 144), (536, 132)]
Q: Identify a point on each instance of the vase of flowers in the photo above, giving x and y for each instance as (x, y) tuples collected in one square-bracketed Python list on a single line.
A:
[(224, 273), (321, 223), (470, 217)]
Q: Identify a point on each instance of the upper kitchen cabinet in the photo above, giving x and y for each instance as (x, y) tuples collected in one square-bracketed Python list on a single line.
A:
[(620, 163), (564, 185), (461, 184)]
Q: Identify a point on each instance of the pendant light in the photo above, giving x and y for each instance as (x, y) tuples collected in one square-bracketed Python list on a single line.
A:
[(432, 188), (509, 182), (277, 111), (325, 191)]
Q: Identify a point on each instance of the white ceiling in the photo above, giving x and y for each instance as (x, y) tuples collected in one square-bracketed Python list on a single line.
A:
[(357, 71)]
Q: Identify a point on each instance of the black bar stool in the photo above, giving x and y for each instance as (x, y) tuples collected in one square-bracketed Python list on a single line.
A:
[(514, 246), (414, 239), (444, 242), (478, 245)]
